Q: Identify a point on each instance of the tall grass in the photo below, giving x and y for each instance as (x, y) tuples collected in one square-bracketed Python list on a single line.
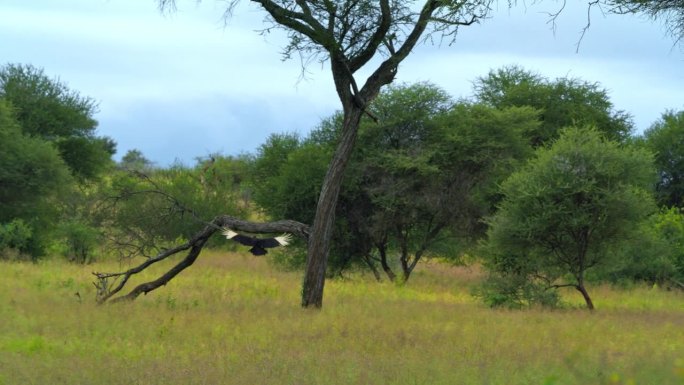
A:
[(231, 319)]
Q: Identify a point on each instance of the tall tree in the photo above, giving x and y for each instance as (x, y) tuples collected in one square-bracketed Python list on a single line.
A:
[(349, 34), (46, 108)]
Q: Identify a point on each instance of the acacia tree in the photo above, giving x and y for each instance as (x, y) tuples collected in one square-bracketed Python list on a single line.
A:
[(427, 190), (565, 212), (349, 34)]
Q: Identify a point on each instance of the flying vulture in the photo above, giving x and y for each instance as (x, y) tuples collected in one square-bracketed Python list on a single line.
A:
[(259, 245)]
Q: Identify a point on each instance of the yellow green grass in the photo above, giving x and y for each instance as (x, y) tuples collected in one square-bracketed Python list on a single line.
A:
[(232, 319)]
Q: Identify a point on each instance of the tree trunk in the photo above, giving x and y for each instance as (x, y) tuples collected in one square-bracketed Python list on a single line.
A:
[(372, 267), (383, 262), (585, 294), (321, 231)]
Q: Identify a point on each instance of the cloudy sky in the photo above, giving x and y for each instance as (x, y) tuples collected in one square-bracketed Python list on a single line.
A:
[(185, 85)]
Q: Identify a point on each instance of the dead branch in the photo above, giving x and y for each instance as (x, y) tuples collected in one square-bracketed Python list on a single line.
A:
[(107, 289)]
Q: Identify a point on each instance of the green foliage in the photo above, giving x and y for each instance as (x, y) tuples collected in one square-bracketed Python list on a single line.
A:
[(148, 212), (670, 224), (87, 157), (31, 171), (486, 144), (15, 239), (655, 254), (47, 109), (568, 208), (563, 102), (134, 160), (432, 182), (515, 291), (666, 139), (32, 178), (419, 180), (80, 240), (265, 178)]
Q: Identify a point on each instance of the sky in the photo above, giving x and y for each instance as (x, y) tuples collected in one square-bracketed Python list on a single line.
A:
[(187, 84)]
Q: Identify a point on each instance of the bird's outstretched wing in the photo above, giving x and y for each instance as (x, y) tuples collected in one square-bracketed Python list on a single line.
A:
[(282, 240), (242, 239)]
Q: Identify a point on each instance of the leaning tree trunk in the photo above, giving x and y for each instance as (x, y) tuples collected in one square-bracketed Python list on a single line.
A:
[(321, 231), (585, 294)]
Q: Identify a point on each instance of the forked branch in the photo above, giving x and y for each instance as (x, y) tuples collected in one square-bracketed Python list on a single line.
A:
[(109, 284)]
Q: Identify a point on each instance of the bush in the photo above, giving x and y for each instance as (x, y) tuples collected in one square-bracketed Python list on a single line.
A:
[(515, 292), (15, 240), (654, 255), (80, 241)]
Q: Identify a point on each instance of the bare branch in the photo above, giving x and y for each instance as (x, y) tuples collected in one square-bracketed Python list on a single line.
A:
[(195, 246), (586, 27), (553, 16)]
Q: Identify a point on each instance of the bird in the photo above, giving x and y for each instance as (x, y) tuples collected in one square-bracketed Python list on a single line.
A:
[(259, 245)]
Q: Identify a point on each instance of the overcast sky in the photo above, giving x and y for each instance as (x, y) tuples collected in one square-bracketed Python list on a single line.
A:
[(184, 85)]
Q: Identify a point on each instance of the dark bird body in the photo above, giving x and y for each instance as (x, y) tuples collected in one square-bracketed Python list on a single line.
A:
[(259, 245)]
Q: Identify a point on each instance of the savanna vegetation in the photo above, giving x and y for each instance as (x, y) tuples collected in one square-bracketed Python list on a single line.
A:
[(463, 237), (474, 208), (230, 319)]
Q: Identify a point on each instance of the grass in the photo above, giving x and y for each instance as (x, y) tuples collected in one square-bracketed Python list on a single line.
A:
[(231, 319)]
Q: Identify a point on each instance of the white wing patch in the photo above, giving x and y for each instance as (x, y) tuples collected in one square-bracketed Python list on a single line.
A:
[(284, 239), (228, 233)]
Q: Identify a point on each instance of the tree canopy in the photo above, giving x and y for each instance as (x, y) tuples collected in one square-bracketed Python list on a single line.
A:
[(562, 102), (563, 211), (424, 192), (32, 176), (666, 139), (46, 108)]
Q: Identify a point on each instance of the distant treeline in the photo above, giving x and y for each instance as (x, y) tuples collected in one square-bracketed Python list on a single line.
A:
[(540, 180)]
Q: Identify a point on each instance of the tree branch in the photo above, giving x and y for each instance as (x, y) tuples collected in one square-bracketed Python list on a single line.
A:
[(195, 244), (371, 48)]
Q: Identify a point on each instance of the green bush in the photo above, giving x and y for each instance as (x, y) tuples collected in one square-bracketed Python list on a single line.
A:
[(80, 241), (15, 239), (515, 291)]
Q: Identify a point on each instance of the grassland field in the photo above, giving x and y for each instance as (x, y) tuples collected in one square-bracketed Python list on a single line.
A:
[(233, 319)]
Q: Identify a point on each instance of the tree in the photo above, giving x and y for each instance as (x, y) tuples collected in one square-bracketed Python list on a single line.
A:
[(654, 254), (349, 34), (134, 160), (567, 209), (563, 102), (147, 212), (46, 108), (666, 139), (426, 189), (31, 177), (424, 193)]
